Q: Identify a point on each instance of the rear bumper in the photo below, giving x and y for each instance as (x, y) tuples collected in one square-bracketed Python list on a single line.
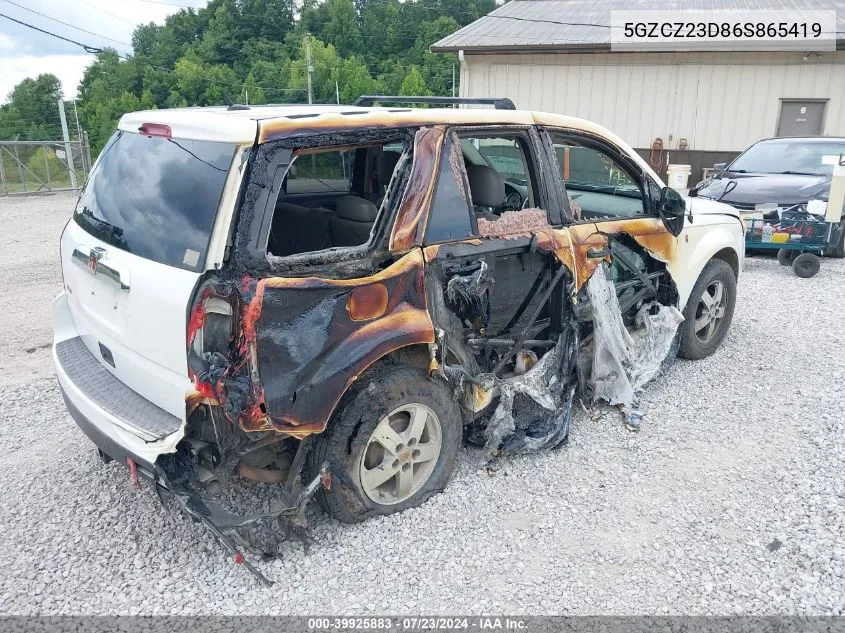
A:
[(105, 442), (88, 394)]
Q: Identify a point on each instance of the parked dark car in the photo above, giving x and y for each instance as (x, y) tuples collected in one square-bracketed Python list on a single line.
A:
[(784, 171)]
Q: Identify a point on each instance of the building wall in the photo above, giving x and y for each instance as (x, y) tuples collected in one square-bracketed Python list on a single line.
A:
[(719, 102)]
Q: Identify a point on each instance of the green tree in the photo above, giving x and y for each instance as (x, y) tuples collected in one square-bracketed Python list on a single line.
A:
[(252, 92), (32, 112), (342, 29), (414, 84)]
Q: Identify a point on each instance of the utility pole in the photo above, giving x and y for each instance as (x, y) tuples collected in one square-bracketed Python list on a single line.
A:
[(68, 148), (310, 67), (78, 128), (337, 92)]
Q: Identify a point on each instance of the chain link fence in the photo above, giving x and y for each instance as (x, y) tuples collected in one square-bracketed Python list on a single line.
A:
[(29, 167)]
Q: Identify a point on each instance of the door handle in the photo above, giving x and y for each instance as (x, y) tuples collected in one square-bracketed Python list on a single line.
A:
[(94, 260), (594, 254)]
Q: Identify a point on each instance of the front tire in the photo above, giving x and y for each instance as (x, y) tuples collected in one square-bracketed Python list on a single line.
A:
[(709, 311), (395, 437)]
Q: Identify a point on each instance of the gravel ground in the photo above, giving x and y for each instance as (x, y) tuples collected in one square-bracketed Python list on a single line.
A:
[(730, 500), (30, 277)]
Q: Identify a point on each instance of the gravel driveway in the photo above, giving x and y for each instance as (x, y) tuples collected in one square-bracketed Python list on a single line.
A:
[(730, 500)]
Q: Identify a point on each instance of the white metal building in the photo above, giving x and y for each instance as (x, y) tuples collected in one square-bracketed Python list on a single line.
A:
[(704, 106)]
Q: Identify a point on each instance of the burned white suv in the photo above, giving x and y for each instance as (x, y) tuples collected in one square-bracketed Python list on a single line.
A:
[(329, 299)]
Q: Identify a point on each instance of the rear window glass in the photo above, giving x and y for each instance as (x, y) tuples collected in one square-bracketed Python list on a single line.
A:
[(156, 197)]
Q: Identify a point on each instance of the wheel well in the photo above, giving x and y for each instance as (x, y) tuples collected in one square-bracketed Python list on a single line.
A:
[(414, 355), (730, 256)]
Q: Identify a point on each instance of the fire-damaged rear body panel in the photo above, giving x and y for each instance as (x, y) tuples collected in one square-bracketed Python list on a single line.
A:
[(309, 338)]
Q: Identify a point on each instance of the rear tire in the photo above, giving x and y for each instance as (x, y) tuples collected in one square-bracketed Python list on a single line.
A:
[(709, 311), (786, 256), (806, 265), (395, 406)]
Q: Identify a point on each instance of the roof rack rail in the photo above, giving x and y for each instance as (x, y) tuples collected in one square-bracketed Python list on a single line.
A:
[(500, 103)]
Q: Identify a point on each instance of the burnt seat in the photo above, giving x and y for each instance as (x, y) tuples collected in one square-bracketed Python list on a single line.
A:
[(299, 229), (352, 221), (486, 187)]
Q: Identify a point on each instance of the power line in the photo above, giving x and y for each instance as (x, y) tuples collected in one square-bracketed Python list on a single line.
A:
[(78, 28), (85, 47)]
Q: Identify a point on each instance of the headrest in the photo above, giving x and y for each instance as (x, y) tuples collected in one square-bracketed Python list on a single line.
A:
[(356, 209), (385, 164), (486, 186)]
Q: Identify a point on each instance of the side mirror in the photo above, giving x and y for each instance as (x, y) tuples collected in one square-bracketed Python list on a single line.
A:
[(672, 209), (719, 166)]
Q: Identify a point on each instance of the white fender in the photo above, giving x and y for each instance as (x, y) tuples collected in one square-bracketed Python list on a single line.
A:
[(700, 240)]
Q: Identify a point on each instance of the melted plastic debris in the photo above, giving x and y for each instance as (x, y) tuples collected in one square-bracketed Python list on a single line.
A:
[(514, 224), (624, 361), (469, 297), (535, 409)]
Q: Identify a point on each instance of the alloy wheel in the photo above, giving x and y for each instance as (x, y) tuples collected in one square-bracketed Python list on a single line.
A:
[(401, 454), (711, 309)]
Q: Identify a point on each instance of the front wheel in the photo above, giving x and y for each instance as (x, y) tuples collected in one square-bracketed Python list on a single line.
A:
[(396, 437), (709, 311)]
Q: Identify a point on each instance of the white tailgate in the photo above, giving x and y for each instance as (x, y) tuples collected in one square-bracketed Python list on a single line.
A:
[(143, 326)]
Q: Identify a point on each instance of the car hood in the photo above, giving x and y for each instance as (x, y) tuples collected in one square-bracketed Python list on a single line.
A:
[(704, 206), (760, 188)]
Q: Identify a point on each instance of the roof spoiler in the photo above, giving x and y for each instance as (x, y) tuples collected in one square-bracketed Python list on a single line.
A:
[(500, 103)]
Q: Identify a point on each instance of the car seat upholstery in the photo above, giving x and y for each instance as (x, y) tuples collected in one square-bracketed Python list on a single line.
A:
[(486, 187), (352, 221), (299, 229)]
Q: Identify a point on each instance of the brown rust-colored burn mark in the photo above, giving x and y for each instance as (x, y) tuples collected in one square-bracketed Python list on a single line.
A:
[(580, 247), (309, 349), (367, 302), (650, 233), (409, 227), (430, 252), (386, 118)]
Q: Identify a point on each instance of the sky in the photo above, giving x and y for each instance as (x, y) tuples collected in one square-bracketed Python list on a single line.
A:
[(27, 53)]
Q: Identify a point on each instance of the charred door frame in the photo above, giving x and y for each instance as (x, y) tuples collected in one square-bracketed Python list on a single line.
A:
[(464, 250), (639, 230), (651, 192)]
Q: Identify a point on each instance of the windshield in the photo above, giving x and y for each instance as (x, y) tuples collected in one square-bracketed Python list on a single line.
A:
[(156, 197), (788, 157)]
